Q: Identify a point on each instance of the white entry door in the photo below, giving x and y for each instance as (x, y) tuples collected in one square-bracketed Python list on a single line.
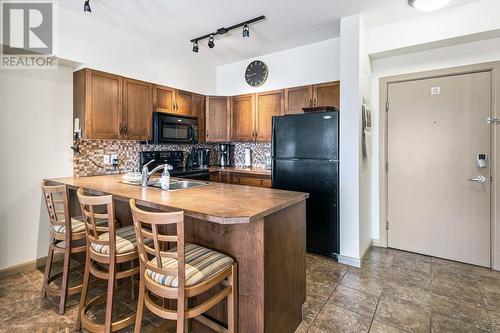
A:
[(438, 194)]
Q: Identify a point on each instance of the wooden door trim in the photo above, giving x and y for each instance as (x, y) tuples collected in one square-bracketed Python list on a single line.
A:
[(494, 68)]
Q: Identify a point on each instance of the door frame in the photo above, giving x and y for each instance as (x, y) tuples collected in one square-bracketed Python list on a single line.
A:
[(494, 69)]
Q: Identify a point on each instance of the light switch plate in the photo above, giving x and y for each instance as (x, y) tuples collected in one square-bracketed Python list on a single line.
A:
[(106, 159)]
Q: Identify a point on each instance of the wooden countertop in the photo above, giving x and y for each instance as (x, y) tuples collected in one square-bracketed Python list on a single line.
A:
[(218, 202), (252, 170)]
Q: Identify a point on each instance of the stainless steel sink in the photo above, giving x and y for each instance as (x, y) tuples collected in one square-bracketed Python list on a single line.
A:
[(174, 184)]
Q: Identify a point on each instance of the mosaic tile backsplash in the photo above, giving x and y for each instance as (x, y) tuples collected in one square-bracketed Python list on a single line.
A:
[(128, 155)]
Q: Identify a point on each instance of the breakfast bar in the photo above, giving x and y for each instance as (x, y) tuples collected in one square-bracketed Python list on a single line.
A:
[(263, 230)]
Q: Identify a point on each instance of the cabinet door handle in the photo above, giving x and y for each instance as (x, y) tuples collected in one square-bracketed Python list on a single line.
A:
[(261, 181), (125, 129), (121, 128), (314, 101), (310, 102)]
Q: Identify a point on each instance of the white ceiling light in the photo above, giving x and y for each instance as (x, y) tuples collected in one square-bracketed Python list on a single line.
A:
[(428, 5)]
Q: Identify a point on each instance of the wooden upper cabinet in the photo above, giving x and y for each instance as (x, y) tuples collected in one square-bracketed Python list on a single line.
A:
[(298, 98), (269, 104), (243, 118), (183, 103), (198, 110), (327, 94), (163, 99), (217, 119), (112, 107), (137, 111), (97, 98)]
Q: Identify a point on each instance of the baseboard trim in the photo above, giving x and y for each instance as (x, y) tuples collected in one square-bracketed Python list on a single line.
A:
[(349, 261), (28, 266), (378, 243)]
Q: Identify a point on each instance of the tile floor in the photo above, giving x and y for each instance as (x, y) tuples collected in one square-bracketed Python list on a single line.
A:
[(396, 291), (393, 291)]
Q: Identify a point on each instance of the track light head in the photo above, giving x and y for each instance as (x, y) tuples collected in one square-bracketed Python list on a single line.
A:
[(211, 42), (246, 31), (86, 7), (195, 46)]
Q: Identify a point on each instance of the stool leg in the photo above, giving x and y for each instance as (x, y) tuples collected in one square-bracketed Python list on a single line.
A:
[(64, 284), (140, 303), (109, 300), (181, 322), (48, 267), (232, 301), (83, 296), (132, 282)]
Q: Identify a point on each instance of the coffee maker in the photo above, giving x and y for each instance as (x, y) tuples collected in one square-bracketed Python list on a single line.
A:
[(200, 158), (225, 155)]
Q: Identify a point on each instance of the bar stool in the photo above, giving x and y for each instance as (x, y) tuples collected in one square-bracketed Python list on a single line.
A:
[(181, 273), (106, 246), (65, 234)]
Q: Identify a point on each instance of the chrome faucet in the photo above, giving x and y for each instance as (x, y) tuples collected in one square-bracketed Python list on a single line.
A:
[(146, 174)]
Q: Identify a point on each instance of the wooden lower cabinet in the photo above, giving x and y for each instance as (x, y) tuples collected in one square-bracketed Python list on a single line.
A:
[(241, 179), (250, 180)]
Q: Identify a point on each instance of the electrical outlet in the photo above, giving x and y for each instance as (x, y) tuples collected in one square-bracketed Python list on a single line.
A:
[(105, 159), (114, 159)]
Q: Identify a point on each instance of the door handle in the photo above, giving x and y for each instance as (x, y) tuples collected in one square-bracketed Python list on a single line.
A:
[(478, 179)]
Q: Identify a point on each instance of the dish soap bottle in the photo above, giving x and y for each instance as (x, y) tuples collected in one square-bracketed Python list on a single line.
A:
[(165, 178)]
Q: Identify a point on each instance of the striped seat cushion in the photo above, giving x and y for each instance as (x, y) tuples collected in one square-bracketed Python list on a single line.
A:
[(125, 241), (77, 225), (201, 264)]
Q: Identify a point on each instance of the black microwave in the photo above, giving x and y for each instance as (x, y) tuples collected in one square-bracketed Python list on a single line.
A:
[(174, 129)]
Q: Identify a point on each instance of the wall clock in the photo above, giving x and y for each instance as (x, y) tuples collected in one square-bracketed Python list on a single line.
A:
[(256, 73)]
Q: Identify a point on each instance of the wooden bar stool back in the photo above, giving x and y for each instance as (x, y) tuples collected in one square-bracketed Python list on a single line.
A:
[(107, 246), (186, 271), (65, 232)]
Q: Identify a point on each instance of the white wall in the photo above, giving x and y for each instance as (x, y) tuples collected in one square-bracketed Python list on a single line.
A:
[(99, 46), (36, 109), (446, 57), (365, 178), (312, 63), (350, 129)]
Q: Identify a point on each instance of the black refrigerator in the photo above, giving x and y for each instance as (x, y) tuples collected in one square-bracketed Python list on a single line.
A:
[(305, 158)]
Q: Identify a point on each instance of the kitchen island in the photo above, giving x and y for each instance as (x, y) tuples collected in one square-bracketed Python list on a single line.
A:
[(263, 229)]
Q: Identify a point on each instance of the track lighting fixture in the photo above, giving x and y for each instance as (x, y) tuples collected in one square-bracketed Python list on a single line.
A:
[(222, 31), (211, 42), (246, 31), (86, 7)]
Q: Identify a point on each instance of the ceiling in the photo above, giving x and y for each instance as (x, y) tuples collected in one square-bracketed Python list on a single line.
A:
[(290, 23), (379, 12)]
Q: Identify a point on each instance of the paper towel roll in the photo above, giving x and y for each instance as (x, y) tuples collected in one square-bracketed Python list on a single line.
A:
[(248, 157)]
